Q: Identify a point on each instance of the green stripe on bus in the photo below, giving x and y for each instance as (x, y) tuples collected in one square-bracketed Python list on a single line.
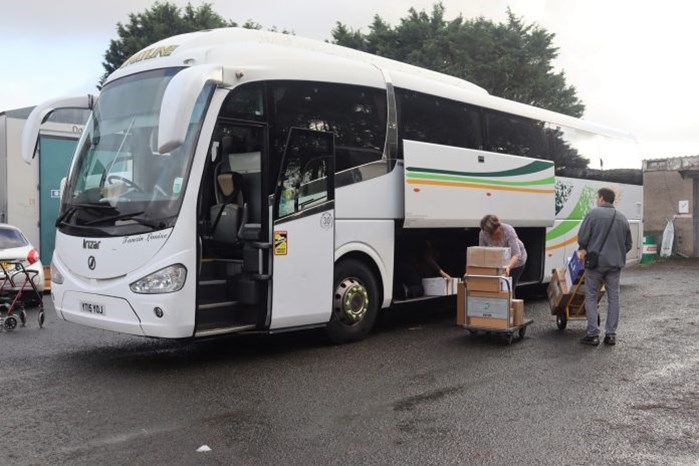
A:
[(573, 219), (426, 176), (533, 167), (564, 227)]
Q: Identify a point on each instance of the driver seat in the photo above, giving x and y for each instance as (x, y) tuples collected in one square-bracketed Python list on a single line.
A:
[(225, 216)]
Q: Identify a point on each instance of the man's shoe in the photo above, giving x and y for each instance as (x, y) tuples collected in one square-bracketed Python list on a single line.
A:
[(588, 340), (610, 340)]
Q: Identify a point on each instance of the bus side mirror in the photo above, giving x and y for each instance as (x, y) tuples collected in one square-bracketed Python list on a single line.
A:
[(61, 188), (179, 100), (30, 133)]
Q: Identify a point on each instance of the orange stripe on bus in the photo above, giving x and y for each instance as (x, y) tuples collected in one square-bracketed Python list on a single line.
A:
[(560, 245), (481, 186)]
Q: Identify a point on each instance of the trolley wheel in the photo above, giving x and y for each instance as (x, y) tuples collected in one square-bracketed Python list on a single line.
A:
[(508, 338), (23, 317), (41, 319), (522, 332), (10, 323), (561, 321)]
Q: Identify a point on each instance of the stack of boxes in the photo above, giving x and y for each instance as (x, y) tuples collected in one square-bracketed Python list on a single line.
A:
[(560, 292), (483, 301), (564, 291)]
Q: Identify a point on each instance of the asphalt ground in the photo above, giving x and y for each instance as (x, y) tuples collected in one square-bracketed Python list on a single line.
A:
[(418, 391)]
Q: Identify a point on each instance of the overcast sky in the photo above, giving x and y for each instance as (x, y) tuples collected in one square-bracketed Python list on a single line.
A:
[(634, 64)]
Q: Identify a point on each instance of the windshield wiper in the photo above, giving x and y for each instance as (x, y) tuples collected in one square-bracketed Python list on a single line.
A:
[(72, 208), (130, 216)]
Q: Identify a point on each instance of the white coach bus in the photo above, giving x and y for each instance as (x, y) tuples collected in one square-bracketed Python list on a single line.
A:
[(235, 181)]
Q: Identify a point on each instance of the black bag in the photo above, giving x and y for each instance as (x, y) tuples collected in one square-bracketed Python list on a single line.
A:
[(592, 260), (592, 257)]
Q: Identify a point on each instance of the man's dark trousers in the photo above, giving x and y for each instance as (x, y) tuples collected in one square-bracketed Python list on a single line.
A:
[(593, 280)]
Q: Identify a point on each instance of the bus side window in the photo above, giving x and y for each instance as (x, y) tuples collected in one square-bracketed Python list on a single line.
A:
[(435, 120), (515, 135), (356, 115), (304, 182)]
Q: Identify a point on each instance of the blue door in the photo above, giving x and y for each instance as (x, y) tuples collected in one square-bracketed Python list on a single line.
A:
[(54, 160)]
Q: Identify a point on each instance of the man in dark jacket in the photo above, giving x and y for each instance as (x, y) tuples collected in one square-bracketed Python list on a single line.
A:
[(612, 258)]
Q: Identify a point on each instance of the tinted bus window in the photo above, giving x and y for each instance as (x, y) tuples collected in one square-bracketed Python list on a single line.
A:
[(426, 118), (245, 103), (356, 115), (571, 148), (510, 134)]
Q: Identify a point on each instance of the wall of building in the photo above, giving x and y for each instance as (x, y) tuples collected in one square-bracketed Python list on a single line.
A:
[(3, 170), (22, 183), (664, 186), (20, 194)]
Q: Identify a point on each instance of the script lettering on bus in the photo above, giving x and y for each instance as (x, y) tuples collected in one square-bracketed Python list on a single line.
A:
[(146, 238), (158, 236), (149, 54)]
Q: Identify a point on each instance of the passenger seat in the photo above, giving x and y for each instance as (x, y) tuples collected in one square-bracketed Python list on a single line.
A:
[(225, 216)]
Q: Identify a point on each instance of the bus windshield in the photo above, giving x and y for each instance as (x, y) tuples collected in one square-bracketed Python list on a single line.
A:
[(119, 184)]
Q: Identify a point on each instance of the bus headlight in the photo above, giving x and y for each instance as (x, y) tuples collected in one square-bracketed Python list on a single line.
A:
[(167, 280), (56, 276)]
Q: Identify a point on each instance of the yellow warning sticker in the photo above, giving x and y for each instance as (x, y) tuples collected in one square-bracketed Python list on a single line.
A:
[(281, 245)]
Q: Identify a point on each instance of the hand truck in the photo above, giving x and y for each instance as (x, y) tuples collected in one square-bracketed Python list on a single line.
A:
[(510, 330)]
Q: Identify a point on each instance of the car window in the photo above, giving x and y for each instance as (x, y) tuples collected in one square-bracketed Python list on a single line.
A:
[(11, 238)]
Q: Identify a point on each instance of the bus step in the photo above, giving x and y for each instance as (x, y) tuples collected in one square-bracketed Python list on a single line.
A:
[(208, 269), (216, 314), (212, 282), (210, 332), (207, 306), (212, 290)]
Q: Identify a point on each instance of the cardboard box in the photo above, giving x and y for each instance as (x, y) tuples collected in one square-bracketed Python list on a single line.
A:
[(560, 293), (487, 304), (494, 271), (461, 304), (489, 284), (563, 279), (517, 312), (480, 256), (488, 322), (439, 286)]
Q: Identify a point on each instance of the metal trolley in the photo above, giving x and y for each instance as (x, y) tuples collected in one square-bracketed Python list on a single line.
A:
[(508, 332), (14, 299)]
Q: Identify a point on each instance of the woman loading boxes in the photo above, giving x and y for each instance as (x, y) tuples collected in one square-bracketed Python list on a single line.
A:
[(496, 234)]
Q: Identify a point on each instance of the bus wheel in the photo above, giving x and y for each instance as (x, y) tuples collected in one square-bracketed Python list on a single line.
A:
[(355, 302)]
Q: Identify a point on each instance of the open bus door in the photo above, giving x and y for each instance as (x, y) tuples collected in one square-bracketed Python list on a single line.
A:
[(304, 231)]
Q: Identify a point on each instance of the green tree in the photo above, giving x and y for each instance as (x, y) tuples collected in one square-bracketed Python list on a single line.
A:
[(160, 21), (511, 59)]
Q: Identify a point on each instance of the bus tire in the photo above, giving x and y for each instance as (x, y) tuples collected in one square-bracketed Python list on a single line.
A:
[(355, 302)]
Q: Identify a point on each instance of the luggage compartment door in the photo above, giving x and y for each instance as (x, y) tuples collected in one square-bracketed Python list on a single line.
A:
[(451, 187)]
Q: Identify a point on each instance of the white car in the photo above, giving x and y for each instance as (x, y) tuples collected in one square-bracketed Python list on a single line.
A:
[(14, 248)]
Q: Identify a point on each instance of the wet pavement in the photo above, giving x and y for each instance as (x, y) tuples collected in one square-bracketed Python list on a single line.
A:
[(418, 391)]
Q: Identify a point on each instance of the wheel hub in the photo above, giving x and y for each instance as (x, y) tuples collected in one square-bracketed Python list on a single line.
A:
[(351, 301)]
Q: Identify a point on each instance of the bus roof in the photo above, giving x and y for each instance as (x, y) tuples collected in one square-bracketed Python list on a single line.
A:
[(285, 56)]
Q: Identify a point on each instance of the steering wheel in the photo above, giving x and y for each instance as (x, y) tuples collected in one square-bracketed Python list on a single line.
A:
[(126, 181)]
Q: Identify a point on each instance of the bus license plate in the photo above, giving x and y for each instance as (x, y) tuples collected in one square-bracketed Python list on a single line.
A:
[(92, 308)]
